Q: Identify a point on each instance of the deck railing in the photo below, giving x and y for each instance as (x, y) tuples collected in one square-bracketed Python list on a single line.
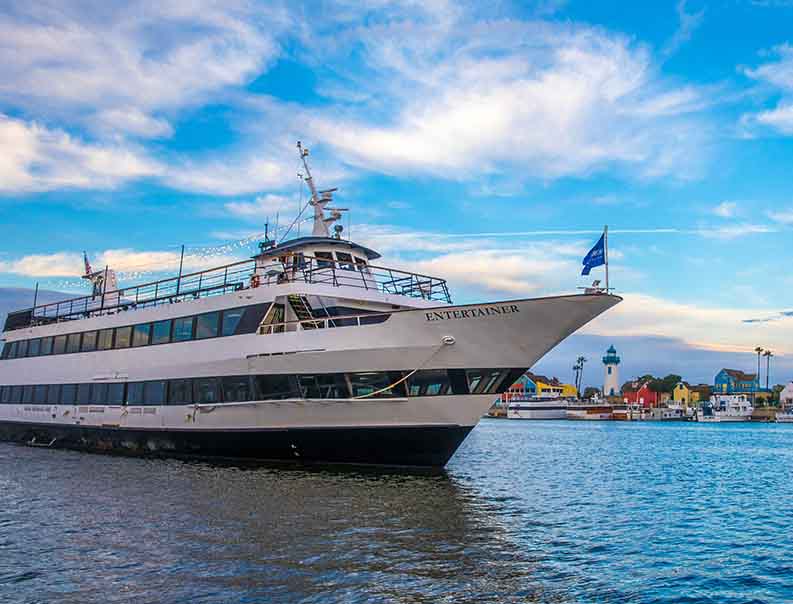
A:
[(260, 272)]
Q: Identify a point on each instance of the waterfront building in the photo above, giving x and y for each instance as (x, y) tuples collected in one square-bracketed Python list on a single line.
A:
[(786, 396), (640, 394), (611, 379), (733, 381), (683, 395)]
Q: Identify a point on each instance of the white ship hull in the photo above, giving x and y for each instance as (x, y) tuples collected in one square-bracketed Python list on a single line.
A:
[(537, 410), (784, 418)]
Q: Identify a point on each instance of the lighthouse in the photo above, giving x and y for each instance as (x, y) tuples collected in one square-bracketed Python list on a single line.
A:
[(611, 381)]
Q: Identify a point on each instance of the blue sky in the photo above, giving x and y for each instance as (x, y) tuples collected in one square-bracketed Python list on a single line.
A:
[(486, 144)]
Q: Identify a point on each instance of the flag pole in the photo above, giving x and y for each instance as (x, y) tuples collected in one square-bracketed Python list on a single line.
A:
[(606, 250)]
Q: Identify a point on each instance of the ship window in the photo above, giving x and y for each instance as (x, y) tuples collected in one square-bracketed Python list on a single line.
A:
[(40, 394), (237, 389), (135, 393), (27, 394), (99, 394), (484, 381), (269, 387), (46, 346), (5, 394), (180, 392), (68, 394), (324, 259), (206, 391), (154, 393), (183, 329), (140, 334), (458, 381), (429, 383), (231, 318), (89, 341), (207, 325), (16, 394), (345, 261), (360, 263), (362, 384), (6, 350), (59, 346), (115, 393), (123, 337), (54, 394), (105, 339), (83, 394), (73, 343), (22, 349), (12, 351), (34, 348), (323, 386), (161, 333)]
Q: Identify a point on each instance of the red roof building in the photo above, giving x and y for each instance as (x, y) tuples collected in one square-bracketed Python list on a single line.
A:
[(641, 395)]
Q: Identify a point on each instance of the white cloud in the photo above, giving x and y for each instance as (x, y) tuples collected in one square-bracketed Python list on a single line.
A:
[(782, 216), (262, 207), (778, 76), (35, 158), (689, 23), (726, 209)]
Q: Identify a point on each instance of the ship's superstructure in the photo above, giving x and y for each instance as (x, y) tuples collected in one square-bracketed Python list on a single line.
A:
[(307, 352)]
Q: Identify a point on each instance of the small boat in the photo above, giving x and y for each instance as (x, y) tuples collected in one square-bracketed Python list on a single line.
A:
[(589, 411), (537, 408), (785, 416), (726, 408)]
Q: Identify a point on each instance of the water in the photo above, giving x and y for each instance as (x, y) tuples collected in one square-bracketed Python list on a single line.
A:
[(528, 511)]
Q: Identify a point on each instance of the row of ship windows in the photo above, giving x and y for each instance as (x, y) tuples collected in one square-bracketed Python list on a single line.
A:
[(228, 322), (245, 388)]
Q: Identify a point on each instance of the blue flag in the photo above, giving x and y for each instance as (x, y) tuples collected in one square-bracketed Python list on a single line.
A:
[(596, 256)]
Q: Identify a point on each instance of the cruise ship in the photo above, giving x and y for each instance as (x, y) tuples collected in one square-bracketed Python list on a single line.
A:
[(308, 352)]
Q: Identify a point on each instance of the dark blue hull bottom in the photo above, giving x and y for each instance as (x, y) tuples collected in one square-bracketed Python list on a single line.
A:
[(419, 447)]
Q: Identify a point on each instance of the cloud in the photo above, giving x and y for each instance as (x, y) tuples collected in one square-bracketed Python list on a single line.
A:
[(776, 75), (689, 23), (782, 216), (262, 207), (484, 97), (726, 209), (35, 158)]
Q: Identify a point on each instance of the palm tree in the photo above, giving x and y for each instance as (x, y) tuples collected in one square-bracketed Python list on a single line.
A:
[(580, 364), (767, 354), (759, 352)]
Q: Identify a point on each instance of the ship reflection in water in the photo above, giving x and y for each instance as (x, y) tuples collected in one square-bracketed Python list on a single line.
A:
[(527, 511)]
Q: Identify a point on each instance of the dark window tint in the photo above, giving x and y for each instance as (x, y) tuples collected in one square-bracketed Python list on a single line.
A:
[(115, 393), (324, 259), (459, 381), (105, 341), (361, 263), (345, 261), (207, 325), (161, 333), (5, 394), (429, 383), (206, 390), (140, 334), (73, 343), (16, 394), (236, 388), (123, 337), (12, 353), (154, 393), (83, 394), (40, 394), (183, 329), (34, 348), (231, 318), (54, 394), (99, 394), (275, 387), (46, 346), (89, 341), (22, 349), (59, 346), (27, 394), (367, 384), (68, 394), (135, 393), (180, 392), (6, 350), (484, 381), (323, 386)]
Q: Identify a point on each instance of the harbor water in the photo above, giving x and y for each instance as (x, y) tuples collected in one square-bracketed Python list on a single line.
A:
[(526, 511)]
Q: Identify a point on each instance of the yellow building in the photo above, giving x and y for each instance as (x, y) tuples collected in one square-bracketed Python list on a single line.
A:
[(553, 388), (686, 394)]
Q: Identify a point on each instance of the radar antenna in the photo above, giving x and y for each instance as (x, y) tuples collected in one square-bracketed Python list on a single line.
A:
[(319, 200)]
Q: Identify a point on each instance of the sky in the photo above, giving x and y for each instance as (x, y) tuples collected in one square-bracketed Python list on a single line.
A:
[(487, 143)]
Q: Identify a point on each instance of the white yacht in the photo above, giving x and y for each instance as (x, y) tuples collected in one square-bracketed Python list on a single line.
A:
[(726, 408), (785, 416), (308, 352)]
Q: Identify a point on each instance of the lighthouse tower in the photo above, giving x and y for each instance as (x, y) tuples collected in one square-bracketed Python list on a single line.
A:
[(611, 381)]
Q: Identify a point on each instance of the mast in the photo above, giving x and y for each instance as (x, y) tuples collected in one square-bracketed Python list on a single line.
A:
[(319, 199), (606, 251)]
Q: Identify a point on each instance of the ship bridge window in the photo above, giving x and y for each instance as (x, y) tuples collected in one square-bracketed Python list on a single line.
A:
[(183, 329), (123, 337), (345, 261), (46, 346), (180, 392), (206, 391), (207, 325), (275, 387), (324, 259), (231, 319), (154, 393), (141, 334), (323, 386), (89, 341), (34, 348), (54, 394), (237, 388), (59, 345), (105, 340), (161, 333), (115, 393), (40, 394), (360, 263), (73, 342), (68, 394)]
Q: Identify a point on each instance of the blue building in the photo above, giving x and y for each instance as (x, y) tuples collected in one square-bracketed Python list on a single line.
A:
[(732, 381)]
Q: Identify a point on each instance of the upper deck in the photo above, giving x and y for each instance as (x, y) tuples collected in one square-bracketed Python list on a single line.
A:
[(276, 265)]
